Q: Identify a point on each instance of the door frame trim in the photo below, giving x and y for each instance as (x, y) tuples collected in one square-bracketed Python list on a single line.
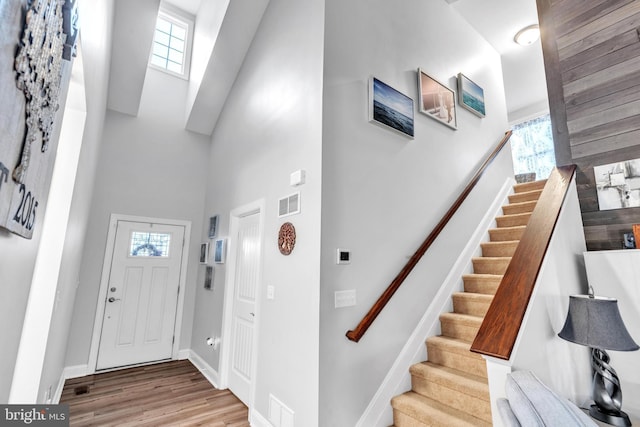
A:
[(104, 282), (227, 310)]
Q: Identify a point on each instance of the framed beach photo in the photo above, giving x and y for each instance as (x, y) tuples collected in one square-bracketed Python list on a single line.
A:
[(471, 96), (437, 100), (390, 108)]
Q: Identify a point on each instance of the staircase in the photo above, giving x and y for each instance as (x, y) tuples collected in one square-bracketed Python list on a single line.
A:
[(450, 389)]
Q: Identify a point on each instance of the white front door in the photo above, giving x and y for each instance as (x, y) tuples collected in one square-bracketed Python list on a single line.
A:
[(246, 280), (142, 295)]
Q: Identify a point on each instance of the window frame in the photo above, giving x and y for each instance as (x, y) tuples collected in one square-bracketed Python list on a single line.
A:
[(182, 20)]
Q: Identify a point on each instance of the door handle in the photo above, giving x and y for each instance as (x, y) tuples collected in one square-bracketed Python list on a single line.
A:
[(252, 314), (112, 299)]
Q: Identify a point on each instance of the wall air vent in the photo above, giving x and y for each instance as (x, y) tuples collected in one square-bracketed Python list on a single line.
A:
[(289, 205)]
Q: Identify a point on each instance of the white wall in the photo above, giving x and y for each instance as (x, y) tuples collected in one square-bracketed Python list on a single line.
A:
[(616, 274), (561, 365), (270, 127), (382, 192), (18, 258), (148, 166), (97, 19)]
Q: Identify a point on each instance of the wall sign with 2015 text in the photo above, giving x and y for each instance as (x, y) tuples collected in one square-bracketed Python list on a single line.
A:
[(29, 112)]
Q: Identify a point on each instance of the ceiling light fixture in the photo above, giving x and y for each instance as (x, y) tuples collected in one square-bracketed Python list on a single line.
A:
[(527, 35)]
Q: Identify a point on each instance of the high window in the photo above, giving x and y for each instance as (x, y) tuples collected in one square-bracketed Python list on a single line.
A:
[(532, 147), (172, 44)]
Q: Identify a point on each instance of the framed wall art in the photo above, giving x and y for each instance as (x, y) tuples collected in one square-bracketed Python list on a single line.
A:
[(208, 277), (390, 108), (204, 252), (471, 96), (219, 253), (618, 185), (437, 100), (31, 79), (213, 226)]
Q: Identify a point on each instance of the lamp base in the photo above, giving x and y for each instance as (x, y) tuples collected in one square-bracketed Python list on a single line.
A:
[(620, 419)]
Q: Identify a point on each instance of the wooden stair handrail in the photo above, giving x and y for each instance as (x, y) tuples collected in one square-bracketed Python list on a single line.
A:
[(374, 311), (501, 324)]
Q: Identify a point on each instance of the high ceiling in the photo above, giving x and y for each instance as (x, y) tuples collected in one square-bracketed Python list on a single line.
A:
[(498, 21), (190, 6)]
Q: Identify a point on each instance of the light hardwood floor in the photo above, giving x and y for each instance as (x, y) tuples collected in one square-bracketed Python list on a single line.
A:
[(166, 394)]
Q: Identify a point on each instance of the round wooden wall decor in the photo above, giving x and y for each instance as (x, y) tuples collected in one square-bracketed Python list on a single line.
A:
[(286, 238)]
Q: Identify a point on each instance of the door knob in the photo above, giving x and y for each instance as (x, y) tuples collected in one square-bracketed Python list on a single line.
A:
[(113, 289), (112, 299)]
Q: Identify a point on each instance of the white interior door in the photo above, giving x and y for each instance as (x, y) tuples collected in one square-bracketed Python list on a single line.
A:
[(141, 300), (246, 280)]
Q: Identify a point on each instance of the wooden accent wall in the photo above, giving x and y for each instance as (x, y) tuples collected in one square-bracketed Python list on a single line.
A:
[(592, 60)]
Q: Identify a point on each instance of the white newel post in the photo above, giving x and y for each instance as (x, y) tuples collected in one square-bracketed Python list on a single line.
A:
[(497, 371)]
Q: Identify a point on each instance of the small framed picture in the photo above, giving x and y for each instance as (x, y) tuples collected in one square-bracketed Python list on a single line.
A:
[(204, 252), (437, 100), (213, 226), (390, 108), (208, 277), (219, 251), (470, 95), (628, 241)]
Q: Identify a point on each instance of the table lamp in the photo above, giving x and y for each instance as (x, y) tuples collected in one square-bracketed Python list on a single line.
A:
[(595, 322)]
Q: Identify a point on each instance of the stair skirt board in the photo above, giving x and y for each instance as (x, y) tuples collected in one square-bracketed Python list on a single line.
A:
[(398, 379)]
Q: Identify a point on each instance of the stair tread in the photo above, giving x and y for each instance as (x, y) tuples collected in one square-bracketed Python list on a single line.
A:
[(491, 258), (473, 296), (513, 227), (427, 411), (465, 319), (515, 215), (483, 276), (501, 243), (527, 186), (491, 265), (455, 379), (454, 345), (519, 207), (499, 248), (506, 233), (519, 193), (524, 196), (482, 283)]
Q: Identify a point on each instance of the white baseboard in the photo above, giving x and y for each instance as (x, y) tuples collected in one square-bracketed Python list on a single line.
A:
[(398, 379), (205, 369), (258, 420), (184, 353), (76, 371), (69, 372)]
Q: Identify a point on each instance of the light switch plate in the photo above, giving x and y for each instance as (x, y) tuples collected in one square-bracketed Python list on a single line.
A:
[(271, 292), (345, 298)]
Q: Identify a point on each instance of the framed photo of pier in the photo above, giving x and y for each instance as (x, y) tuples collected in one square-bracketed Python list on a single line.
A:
[(471, 96), (390, 108), (437, 100)]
